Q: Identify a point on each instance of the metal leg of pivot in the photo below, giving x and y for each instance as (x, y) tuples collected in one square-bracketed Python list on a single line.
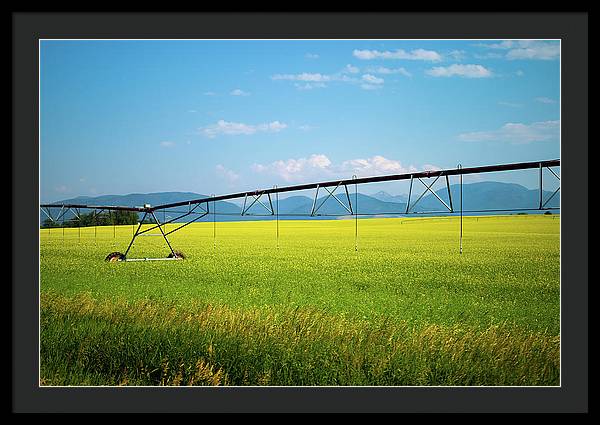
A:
[(135, 234), (163, 233)]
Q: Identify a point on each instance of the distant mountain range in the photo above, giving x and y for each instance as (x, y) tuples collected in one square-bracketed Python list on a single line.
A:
[(476, 197)]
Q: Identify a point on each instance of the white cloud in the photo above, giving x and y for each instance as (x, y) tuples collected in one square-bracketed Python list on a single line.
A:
[(167, 144), (227, 174), (308, 80), (305, 76), (457, 55), (209, 93), (418, 54), (488, 55), (517, 133), (371, 79), (431, 167), (62, 189), (545, 100), (467, 71), (309, 86), (306, 127), (520, 73), (370, 82), (374, 166), (389, 71), (510, 104), (223, 127), (319, 166), (527, 49), (239, 92), (370, 87), (311, 56), (351, 69), (297, 170)]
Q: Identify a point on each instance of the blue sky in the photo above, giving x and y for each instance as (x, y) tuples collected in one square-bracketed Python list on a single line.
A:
[(213, 116)]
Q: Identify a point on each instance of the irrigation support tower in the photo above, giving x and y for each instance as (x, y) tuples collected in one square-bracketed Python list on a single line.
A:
[(199, 208)]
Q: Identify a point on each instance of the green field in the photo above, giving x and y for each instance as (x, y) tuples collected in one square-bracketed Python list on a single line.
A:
[(406, 309)]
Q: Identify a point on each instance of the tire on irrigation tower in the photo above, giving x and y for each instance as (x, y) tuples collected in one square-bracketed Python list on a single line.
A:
[(178, 254), (114, 257)]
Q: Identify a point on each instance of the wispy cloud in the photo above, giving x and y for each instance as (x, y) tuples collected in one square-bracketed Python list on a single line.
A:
[(351, 69), (371, 79), (371, 82), (62, 189), (431, 167), (367, 81), (309, 86), (227, 128), (516, 133), (227, 174), (296, 170), (466, 71), (209, 93), (488, 55), (311, 56), (457, 55), (388, 71), (319, 166), (527, 49), (167, 144), (305, 76), (308, 80), (545, 100), (417, 54), (239, 92), (373, 166)]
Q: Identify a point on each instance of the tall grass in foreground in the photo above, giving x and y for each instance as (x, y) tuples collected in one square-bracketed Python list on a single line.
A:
[(87, 341)]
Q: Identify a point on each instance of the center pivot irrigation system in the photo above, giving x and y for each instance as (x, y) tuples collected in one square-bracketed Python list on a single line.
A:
[(199, 208)]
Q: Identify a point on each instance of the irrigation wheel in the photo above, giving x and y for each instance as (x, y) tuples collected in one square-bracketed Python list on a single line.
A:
[(114, 257), (178, 254)]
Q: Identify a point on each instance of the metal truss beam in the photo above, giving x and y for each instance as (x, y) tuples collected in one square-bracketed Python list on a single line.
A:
[(428, 189), (256, 197), (543, 204), (331, 194), (334, 185)]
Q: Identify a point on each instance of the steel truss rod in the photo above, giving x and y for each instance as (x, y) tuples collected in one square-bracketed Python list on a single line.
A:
[(75, 211), (175, 219), (542, 206), (331, 193), (95, 214), (257, 199), (375, 179), (449, 193), (409, 193), (453, 213), (48, 213), (185, 224), (427, 188), (163, 233), (312, 210), (109, 207), (135, 234)]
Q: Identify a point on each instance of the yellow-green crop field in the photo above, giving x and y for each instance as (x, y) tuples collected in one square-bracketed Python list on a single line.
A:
[(406, 309)]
